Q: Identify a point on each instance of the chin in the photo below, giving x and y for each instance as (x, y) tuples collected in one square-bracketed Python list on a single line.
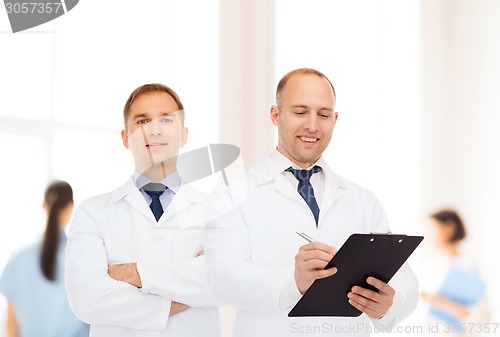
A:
[(309, 159)]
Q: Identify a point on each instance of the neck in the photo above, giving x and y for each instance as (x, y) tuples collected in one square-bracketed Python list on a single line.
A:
[(302, 165), (450, 249), (159, 171)]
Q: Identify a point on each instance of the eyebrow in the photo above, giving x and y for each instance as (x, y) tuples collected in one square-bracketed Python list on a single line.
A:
[(146, 115), (327, 109), (140, 115), (169, 114), (307, 107)]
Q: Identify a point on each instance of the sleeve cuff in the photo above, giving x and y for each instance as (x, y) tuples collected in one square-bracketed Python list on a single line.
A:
[(144, 275), (290, 294), (168, 304), (388, 321)]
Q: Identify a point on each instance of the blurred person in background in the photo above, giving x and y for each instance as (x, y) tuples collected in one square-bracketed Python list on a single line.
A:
[(453, 290), (33, 280)]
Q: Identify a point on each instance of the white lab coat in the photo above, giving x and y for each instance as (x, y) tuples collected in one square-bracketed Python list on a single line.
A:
[(119, 227), (252, 243)]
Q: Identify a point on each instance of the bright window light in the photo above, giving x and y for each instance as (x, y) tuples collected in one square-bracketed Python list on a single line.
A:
[(370, 51)]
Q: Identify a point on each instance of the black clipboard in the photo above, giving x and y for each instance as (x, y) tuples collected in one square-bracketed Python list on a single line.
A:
[(362, 255)]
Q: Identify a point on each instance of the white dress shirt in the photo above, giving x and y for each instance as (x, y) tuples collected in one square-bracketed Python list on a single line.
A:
[(172, 182), (317, 179)]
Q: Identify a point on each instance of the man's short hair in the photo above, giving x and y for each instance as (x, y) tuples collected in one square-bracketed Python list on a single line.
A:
[(301, 71), (148, 89)]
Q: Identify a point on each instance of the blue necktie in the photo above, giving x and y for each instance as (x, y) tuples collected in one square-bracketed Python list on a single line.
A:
[(305, 188), (154, 190)]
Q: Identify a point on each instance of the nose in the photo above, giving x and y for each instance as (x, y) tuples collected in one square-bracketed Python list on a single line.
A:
[(311, 124), (153, 128)]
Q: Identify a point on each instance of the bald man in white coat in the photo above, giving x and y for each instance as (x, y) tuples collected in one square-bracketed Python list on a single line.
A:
[(255, 260)]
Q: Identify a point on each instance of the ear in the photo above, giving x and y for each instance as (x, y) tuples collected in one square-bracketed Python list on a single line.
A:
[(125, 138), (336, 116), (184, 136), (275, 114)]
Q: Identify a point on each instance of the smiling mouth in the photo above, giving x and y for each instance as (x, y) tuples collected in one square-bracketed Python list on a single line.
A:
[(155, 145), (308, 139)]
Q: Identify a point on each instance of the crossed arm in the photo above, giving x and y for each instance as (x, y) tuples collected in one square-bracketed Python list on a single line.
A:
[(99, 299), (128, 273)]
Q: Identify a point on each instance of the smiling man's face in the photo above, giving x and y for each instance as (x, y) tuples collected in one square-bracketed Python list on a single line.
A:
[(305, 118), (154, 132)]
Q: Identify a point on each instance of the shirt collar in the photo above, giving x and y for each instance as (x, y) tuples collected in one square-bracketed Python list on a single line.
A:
[(274, 167), (172, 181)]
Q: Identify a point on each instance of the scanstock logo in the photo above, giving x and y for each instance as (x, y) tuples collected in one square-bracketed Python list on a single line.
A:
[(26, 14)]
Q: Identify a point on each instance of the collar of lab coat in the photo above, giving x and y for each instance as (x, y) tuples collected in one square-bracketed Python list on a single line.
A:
[(185, 197), (273, 166), (271, 172)]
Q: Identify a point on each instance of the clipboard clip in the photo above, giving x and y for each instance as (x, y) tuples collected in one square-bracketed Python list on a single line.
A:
[(386, 233)]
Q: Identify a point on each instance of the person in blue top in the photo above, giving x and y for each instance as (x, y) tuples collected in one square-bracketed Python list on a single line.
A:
[(33, 280)]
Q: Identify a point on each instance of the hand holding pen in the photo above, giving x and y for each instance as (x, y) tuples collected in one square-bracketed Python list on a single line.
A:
[(310, 262)]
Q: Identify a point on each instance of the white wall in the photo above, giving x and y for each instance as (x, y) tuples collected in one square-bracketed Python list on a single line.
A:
[(460, 118), (246, 75), (62, 90)]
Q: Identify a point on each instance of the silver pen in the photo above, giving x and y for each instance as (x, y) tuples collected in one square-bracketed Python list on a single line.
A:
[(305, 236)]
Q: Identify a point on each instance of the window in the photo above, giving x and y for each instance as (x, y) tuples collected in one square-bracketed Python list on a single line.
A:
[(63, 88), (369, 50)]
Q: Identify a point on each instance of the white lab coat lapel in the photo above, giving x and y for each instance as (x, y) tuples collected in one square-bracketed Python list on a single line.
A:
[(332, 188), (183, 199), (331, 193), (279, 182), (134, 197), (283, 186)]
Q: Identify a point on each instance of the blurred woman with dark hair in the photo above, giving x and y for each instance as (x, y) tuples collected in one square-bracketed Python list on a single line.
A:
[(33, 280), (451, 230), (458, 292)]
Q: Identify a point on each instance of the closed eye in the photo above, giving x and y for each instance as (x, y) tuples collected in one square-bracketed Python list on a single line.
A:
[(324, 113)]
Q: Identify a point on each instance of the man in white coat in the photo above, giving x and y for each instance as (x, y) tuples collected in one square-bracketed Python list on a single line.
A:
[(134, 257), (254, 262)]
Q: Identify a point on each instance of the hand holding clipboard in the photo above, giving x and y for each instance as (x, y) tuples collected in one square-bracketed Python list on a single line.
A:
[(361, 256)]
